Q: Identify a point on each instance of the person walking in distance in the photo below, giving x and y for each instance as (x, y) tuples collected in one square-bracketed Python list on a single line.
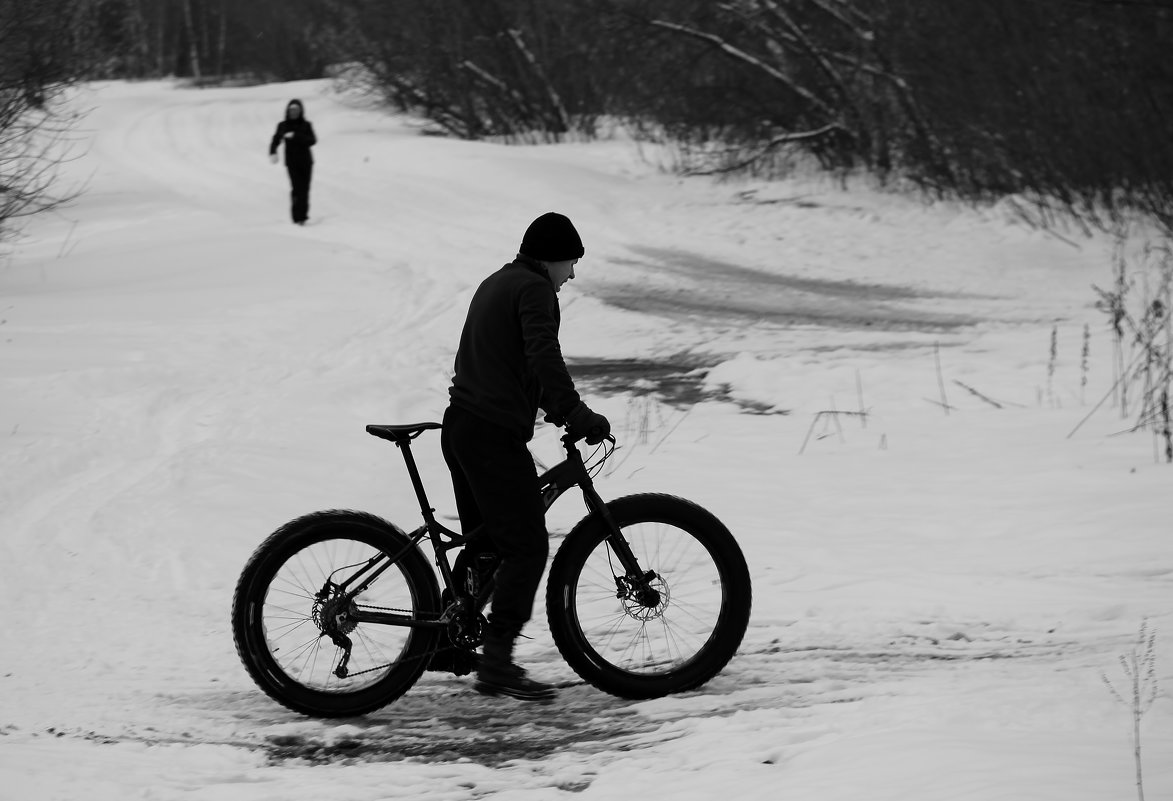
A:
[(298, 136), (509, 365)]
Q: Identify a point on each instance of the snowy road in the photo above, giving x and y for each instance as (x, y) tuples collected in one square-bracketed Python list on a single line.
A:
[(182, 370)]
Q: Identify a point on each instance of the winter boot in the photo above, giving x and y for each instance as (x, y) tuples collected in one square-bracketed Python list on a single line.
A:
[(497, 675)]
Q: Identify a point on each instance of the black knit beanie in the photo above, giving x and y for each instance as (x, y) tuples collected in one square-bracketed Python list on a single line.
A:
[(552, 237)]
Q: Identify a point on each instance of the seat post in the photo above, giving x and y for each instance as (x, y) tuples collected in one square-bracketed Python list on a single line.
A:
[(404, 445)]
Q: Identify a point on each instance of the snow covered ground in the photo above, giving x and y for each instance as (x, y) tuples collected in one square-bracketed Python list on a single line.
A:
[(937, 596)]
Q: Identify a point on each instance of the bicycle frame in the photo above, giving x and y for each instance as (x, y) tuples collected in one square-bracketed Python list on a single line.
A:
[(553, 484)]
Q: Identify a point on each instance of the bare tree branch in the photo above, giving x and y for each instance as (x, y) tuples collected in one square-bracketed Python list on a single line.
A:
[(740, 55), (765, 149), (563, 119)]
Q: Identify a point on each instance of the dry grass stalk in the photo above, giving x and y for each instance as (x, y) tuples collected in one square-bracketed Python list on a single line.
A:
[(1140, 691)]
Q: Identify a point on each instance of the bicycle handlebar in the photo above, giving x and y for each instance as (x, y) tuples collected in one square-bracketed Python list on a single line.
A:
[(569, 440)]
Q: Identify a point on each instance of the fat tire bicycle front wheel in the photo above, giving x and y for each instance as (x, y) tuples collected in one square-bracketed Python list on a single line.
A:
[(672, 640), (283, 604)]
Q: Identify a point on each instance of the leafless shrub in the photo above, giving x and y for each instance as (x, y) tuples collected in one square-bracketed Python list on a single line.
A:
[(1139, 309), (1139, 691), (39, 58)]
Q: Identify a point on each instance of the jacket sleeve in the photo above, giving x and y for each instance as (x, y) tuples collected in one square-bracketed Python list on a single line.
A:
[(308, 137), (538, 311), (276, 140)]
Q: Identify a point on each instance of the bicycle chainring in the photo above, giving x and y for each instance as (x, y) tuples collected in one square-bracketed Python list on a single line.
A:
[(467, 629)]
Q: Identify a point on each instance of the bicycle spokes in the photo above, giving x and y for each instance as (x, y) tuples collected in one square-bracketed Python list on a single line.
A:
[(314, 629), (660, 619)]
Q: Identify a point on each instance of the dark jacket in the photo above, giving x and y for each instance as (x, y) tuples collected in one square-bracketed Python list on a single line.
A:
[(297, 147), (509, 363)]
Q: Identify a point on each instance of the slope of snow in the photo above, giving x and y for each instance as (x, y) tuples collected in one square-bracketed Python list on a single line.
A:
[(937, 596)]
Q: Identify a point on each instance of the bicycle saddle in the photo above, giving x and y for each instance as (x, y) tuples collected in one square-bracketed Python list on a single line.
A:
[(401, 433)]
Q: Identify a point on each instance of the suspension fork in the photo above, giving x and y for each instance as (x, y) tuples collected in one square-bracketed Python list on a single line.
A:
[(614, 536), (636, 582), (573, 471)]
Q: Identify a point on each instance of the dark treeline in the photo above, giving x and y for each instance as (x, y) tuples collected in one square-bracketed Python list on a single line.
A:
[(1070, 100), (1065, 100), (56, 40)]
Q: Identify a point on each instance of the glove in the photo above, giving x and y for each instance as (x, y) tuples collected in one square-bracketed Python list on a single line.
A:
[(585, 424), (273, 157)]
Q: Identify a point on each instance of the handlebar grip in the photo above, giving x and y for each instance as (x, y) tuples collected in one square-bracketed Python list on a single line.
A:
[(570, 438)]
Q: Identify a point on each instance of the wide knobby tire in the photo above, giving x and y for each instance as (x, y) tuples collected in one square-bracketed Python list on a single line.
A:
[(276, 614), (637, 651)]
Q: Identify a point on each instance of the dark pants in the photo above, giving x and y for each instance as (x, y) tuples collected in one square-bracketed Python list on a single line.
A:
[(496, 483), (299, 180)]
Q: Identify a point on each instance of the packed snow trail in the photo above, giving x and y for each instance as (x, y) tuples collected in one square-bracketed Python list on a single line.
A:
[(182, 370)]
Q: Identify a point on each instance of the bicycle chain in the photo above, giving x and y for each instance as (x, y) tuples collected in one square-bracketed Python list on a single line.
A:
[(427, 655), (561, 685)]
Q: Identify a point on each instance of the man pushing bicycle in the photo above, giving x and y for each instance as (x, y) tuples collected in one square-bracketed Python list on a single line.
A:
[(509, 365), (337, 613)]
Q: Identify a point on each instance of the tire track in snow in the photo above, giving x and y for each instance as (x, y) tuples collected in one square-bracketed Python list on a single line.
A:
[(442, 719)]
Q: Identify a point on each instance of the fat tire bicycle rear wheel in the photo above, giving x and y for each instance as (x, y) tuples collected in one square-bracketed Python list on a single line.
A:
[(278, 608), (634, 650)]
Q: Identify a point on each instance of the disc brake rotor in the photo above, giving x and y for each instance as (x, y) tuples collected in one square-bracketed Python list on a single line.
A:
[(645, 600)]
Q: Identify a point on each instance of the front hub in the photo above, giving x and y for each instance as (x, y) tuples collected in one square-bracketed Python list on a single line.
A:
[(645, 597)]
